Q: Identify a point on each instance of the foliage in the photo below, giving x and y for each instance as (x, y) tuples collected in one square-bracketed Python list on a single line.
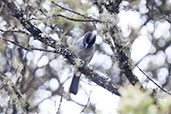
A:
[(135, 101)]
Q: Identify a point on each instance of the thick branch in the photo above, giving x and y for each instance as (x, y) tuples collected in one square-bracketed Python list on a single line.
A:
[(121, 49), (111, 6), (60, 49), (124, 62)]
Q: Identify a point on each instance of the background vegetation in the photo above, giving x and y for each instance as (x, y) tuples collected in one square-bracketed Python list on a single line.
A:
[(37, 56)]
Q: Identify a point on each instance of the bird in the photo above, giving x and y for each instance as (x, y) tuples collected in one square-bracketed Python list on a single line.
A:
[(85, 51)]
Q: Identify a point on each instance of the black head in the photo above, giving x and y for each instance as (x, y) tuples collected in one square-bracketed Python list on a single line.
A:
[(89, 39)]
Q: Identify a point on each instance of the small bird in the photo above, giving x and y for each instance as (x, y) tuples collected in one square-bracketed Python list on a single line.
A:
[(86, 49)]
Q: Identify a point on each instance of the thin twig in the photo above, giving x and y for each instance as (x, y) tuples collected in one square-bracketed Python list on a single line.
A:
[(77, 20), (17, 31), (42, 12), (72, 11), (153, 81), (29, 48), (86, 103), (136, 64), (76, 102), (58, 112)]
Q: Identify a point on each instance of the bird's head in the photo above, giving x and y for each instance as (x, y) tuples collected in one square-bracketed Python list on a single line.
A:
[(89, 39)]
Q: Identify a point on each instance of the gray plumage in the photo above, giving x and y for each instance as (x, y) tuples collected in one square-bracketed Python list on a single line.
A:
[(85, 50), (84, 53)]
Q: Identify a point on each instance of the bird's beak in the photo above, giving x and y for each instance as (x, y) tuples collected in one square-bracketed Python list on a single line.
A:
[(91, 37), (86, 45)]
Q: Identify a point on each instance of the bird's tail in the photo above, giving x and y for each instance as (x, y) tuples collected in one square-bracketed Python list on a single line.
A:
[(74, 84)]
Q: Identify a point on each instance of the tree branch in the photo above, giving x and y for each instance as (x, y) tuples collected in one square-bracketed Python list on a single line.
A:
[(29, 48), (77, 20), (112, 6), (61, 49), (72, 11), (154, 81)]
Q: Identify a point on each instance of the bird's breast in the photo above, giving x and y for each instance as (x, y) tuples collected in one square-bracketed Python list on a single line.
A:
[(86, 54)]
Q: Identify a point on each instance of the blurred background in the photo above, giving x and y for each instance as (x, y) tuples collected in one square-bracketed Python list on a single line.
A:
[(45, 77)]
